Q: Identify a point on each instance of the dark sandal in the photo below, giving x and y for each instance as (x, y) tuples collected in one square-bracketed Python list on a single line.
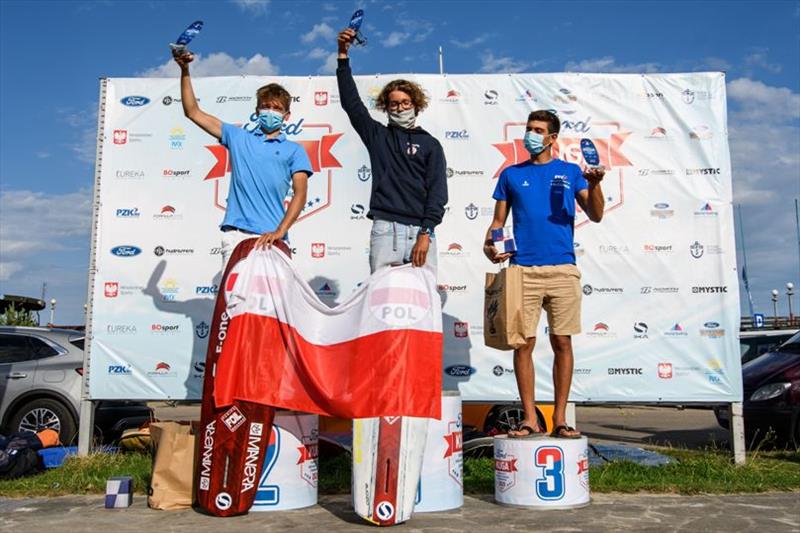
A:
[(531, 433), (558, 433)]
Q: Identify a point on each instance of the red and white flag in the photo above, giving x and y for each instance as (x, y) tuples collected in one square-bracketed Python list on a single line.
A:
[(379, 353)]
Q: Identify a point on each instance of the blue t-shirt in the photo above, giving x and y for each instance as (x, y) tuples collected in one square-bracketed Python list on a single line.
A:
[(261, 174), (542, 202)]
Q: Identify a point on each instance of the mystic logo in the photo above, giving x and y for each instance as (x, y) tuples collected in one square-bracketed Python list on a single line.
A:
[(233, 419), (665, 370), (624, 371), (708, 171), (551, 486), (321, 98), (640, 330), (201, 330), (128, 212), (119, 370), (364, 173), (460, 371), (461, 329), (459, 135), (491, 97), (120, 136), (111, 289), (471, 211), (716, 289), (696, 249), (126, 250), (135, 101), (318, 250)]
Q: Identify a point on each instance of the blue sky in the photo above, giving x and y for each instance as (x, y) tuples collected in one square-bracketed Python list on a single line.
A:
[(52, 54)]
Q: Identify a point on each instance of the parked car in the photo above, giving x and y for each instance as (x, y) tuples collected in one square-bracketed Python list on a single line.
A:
[(771, 394), (756, 342), (40, 386)]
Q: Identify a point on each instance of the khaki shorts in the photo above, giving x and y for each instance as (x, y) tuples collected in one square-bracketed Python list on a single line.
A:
[(557, 289)]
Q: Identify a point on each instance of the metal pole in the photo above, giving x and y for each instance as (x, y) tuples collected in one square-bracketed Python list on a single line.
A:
[(797, 224), (744, 263), (737, 433), (441, 62), (774, 308)]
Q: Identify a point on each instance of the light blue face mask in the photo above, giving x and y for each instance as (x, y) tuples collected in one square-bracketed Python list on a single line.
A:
[(270, 120), (534, 142)]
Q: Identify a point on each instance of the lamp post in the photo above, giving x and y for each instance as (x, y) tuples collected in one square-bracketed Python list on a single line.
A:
[(52, 311), (789, 294), (775, 307)]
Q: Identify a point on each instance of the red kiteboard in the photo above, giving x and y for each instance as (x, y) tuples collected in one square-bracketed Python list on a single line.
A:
[(233, 438)]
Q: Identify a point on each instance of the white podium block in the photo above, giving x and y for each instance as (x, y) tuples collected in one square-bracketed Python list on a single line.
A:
[(541, 472), (289, 477), (441, 485)]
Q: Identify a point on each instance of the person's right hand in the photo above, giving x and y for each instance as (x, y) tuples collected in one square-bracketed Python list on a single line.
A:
[(345, 40), (493, 255), (183, 58)]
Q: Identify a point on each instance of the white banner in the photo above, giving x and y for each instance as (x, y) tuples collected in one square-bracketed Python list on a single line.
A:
[(660, 307)]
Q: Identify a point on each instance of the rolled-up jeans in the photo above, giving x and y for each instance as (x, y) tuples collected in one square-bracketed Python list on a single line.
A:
[(391, 243)]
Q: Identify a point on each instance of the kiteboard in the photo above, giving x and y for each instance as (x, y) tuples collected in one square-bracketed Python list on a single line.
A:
[(387, 462), (233, 439)]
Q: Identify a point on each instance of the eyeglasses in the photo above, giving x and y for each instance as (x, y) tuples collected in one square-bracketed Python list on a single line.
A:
[(402, 104)]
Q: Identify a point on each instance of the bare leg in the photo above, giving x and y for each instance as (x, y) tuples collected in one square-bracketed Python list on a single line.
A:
[(562, 378), (526, 377)]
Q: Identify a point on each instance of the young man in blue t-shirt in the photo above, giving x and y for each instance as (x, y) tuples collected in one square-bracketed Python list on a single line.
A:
[(264, 164), (542, 193)]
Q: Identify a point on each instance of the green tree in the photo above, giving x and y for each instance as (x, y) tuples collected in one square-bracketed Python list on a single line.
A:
[(17, 317)]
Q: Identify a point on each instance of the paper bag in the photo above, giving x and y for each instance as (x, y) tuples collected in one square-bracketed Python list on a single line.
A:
[(503, 323), (173, 465)]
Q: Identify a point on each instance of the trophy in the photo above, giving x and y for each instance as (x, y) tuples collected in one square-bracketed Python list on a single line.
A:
[(179, 47), (503, 239), (355, 25), (590, 154)]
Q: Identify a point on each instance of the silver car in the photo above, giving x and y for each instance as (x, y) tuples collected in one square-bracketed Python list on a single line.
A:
[(40, 385)]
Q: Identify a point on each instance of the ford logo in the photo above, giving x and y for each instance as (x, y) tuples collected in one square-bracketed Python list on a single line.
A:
[(711, 325), (126, 251), (661, 206), (459, 370), (135, 101)]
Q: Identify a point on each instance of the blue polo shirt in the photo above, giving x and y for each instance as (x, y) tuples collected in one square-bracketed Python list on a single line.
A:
[(542, 202), (261, 174)]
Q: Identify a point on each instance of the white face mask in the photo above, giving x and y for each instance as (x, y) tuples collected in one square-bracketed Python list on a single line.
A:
[(404, 119)]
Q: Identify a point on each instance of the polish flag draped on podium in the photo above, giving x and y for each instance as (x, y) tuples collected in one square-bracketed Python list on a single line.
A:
[(379, 353)]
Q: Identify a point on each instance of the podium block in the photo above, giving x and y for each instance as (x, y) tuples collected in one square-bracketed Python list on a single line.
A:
[(541, 472), (289, 477), (441, 485)]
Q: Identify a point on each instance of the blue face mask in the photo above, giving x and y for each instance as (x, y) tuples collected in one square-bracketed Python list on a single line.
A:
[(534, 142), (270, 120)]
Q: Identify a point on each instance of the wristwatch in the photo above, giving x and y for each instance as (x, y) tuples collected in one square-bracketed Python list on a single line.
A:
[(425, 231)]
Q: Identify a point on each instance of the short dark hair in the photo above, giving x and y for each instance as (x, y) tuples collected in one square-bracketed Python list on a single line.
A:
[(276, 92), (553, 124)]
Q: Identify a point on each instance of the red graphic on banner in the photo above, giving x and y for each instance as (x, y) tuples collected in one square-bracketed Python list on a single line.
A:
[(454, 443), (583, 466), (502, 465), (308, 452)]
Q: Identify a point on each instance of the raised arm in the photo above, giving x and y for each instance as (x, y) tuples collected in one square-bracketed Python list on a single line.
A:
[(209, 123), (356, 111)]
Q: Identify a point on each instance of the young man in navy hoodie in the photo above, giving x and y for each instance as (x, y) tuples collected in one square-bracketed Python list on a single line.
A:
[(409, 172)]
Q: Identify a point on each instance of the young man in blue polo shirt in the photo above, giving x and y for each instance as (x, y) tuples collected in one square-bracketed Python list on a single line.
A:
[(264, 164), (542, 193)]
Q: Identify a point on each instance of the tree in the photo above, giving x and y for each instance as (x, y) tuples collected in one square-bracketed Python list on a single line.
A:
[(17, 317)]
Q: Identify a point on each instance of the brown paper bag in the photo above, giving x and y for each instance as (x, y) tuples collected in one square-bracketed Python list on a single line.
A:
[(173, 465), (503, 323)]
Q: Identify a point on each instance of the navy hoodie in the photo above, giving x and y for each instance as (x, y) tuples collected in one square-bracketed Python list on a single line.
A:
[(409, 172)]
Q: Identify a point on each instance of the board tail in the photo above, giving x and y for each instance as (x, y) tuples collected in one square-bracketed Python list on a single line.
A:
[(233, 439)]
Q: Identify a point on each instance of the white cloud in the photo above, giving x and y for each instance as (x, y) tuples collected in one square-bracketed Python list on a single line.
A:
[(609, 64), (216, 64), (492, 64), (9, 268), (255, 7), (469, 44), (396, 38), (329, 66), (318, 53), (319, 31), (758, 59), (43, 155), (755, 98), (83, 123)]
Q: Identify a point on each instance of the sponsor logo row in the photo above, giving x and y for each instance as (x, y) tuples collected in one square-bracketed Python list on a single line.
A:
[(638, 331)]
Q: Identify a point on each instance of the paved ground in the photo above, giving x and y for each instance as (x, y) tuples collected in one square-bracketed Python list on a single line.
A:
[(771, 513)]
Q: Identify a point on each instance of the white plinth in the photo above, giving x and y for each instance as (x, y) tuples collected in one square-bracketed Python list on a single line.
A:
[(289, 477), (441, 484), (541, 472)]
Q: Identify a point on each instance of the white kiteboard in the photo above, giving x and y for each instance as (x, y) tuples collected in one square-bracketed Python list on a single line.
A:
[(387, 461)]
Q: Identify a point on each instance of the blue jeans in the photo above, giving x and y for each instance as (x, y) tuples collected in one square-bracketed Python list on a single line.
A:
[(392, 242)]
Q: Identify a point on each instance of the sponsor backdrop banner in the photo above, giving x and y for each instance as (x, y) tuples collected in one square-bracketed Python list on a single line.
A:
[(660, 292)]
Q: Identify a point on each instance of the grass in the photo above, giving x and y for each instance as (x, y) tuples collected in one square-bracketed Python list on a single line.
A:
[(706, 471)]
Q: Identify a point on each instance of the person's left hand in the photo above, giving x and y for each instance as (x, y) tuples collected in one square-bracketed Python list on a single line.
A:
[(594, 175), (420, 250), (266, 240)]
